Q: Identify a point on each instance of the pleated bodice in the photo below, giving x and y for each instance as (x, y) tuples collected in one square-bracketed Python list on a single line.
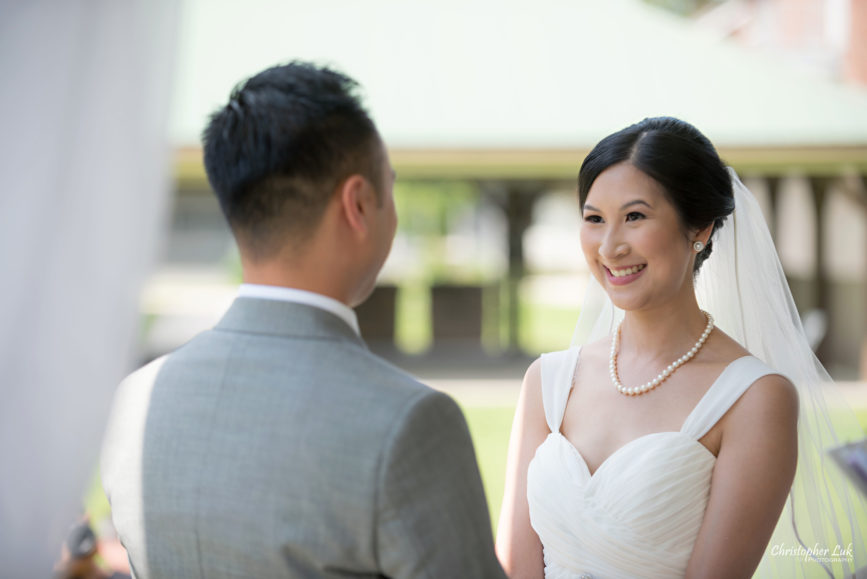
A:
[(639, 514)]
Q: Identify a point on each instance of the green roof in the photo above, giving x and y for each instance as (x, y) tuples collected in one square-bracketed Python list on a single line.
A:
[(504, 74)]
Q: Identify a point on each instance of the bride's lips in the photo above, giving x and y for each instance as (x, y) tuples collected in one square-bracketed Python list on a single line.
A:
[(624, 279)]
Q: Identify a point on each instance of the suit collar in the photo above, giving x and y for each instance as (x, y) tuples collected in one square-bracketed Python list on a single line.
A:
[(288, 319), (295, 295)]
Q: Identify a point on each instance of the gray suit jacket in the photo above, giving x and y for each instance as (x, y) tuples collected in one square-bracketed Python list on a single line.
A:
[(276, 445)]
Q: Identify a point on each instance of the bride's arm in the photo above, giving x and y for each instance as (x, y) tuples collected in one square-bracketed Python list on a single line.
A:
[(751, 479), (518, 546)]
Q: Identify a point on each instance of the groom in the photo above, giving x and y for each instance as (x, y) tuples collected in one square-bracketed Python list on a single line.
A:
[(276, 444)]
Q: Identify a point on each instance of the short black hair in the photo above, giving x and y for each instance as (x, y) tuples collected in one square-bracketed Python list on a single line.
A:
[(677, 156), (277, 150)]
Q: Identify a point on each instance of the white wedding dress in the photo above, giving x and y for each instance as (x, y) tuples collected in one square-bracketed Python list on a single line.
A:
[(639, 514)]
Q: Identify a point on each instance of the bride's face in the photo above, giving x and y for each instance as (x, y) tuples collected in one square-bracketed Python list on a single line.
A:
[(634, 241)]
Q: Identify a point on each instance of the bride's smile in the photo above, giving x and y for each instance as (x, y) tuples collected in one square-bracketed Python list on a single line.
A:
[(619, 275)]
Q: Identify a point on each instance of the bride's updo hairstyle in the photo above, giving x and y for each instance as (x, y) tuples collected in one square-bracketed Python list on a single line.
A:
[(677, 156)]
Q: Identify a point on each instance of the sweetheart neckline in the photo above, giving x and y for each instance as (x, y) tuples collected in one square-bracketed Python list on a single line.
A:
[(718, 378), (592, 475)]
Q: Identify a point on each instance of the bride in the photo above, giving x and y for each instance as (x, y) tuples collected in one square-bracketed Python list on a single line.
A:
[(665, 443)]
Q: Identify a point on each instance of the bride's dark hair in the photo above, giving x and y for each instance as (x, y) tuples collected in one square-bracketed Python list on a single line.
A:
[(677, 156)]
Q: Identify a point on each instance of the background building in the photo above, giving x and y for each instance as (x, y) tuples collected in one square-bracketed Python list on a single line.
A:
[(489, 107)]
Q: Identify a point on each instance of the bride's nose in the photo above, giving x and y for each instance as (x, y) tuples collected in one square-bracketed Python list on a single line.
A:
[(613, 245)]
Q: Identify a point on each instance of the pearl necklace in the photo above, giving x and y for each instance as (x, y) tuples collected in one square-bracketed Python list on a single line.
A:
[(668, 371)]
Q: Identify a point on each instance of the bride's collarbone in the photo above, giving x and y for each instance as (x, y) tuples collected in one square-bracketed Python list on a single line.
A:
[(598, 420)]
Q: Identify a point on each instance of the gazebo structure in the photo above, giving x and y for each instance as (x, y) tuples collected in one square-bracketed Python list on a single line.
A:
[(511, 96)]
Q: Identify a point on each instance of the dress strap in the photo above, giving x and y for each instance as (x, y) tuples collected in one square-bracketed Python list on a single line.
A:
[(729, 386), (558, 368)]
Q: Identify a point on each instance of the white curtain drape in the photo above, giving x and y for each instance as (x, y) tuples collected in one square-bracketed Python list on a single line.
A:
[(84, 178)]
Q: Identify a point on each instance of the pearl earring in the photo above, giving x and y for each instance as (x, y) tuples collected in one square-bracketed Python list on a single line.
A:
[(698, 246)]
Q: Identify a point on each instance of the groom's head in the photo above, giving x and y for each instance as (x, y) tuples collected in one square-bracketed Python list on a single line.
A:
[(295, 161)]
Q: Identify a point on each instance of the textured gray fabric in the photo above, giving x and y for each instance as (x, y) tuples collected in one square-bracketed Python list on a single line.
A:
[(276, 445)]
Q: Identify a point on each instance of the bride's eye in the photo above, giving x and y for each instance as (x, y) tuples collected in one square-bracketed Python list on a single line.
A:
[(593, 218), (634, 216)]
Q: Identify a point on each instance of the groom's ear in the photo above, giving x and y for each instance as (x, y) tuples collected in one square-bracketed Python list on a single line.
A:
[(354, 196)]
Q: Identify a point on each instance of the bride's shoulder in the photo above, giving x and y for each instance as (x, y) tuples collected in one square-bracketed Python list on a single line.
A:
[(721, 350), (530, 409), (533, 374), (767, 410), (767, 392), (556, 359), (586, 354)]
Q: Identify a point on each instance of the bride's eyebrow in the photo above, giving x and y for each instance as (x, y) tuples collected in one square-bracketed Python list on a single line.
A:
[(624, 206), (637, 202)]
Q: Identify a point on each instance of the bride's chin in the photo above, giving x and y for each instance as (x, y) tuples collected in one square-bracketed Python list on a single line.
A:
[(622, 297), (625, 303)]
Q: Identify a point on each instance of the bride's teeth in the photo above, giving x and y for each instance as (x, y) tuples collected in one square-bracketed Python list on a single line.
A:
[(627, 271)]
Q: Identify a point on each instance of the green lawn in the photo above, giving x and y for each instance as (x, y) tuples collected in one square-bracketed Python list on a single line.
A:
[(490, 427)]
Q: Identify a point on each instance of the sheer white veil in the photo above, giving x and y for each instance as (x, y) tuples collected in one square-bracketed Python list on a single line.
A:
[(742, 284)]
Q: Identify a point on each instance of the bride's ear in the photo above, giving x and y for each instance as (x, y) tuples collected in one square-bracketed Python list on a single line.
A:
[(702, 235)]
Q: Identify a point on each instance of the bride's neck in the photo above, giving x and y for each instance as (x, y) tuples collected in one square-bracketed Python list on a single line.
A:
[(663, 332)]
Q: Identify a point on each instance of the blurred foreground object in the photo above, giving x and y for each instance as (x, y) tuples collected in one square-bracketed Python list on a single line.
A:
[(852, 458), (83, 159), (80, 552)]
